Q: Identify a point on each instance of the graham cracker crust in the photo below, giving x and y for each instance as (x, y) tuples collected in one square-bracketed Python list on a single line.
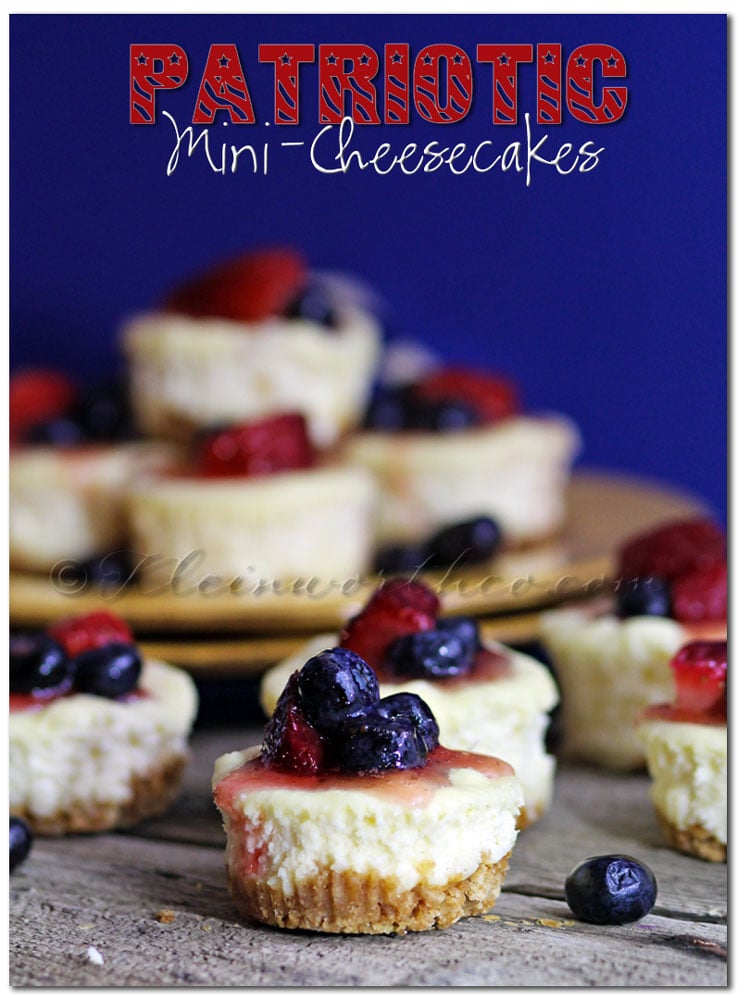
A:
[(151, 794), (353, 903), (693, 840)]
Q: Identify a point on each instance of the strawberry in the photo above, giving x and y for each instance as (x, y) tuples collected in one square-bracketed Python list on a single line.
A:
[(494, 398), (36, 395), (673, 549), (260, 448), (290, 743), (397, 608), (701, 595), (700, 672), (248, 288), (82, 632)]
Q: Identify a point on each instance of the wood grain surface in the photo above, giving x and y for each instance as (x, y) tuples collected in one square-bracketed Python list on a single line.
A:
[(153, 904)]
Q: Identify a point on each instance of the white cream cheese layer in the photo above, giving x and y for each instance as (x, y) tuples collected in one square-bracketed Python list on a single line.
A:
[(294, 833)]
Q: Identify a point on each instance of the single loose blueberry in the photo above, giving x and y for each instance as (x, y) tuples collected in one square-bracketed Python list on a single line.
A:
[(313, 304), (109, 671), (21, 840), (468, 542), (611, 889), (432, 654), (400, 558), (335, 687), (376, 743), (648, 595), (38, 663), (410, 708)]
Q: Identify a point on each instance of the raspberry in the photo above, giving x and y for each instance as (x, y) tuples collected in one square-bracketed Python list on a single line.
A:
[(701, 595), (399, 607), (82, 632), (36, 396), (673, 549), (274, 444), (492, 397), (700, 672), (290, 743), (248, 288)]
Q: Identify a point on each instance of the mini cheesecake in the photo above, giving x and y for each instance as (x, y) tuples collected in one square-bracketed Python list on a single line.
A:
[(469, 461), (82, 762), (612, 661), (235, 345), (686, 747), (264, 519), (68, 503), (376, 832)]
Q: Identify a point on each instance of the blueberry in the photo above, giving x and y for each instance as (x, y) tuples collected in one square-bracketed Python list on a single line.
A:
[(472, 541), (21, 840), (109, 570), (380, 744), (648, 595), (610, 889), (335, 687), (109, 671), (411, 709), (464, 628), (433, 654), (400, 558), (387, 410), (38, 663), (60, 431), (313, 304), (440, 415), (104, 412)]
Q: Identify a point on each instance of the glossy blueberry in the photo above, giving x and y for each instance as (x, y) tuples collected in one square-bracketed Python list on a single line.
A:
[(21, 840), (411, 709), (429, 654), (611, 889), (60, 431), (463, 628), (335, 687), (648, 595), (467, 542), (108, 671), (104, 412), (38, 663), (400, 558), (376, 743), (313, 304), (440, 415)]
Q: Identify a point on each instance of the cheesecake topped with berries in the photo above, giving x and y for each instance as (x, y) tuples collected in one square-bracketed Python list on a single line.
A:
[(454, 445), (353, 818), (98, 734), (686, 747), (486, 697), (671, 588), (252, 336)]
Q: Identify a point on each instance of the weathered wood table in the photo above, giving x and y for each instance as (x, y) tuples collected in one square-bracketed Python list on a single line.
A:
[(150, 908)]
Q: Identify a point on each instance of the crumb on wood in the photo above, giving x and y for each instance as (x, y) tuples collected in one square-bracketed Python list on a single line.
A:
[(94, 956), (165, 916)]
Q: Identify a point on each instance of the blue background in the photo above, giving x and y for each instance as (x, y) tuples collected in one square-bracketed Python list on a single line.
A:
[(603, 294)]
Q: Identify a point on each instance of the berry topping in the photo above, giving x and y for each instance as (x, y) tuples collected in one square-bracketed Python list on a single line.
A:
[(59, 432), (463, 628), (248, 288), (432, 654), (388, 409), (411, 708), (648, 595), (335, 687), (377, 743), (400, 558), (439, 415), (38, 665), (399, 607), (77, 635), (109, 571), (21, 841), (492, 398), (37, 396), (109, 671), (701, 595), (700, 673), (472, 541), (313, 304), (290, 742), (673, 549), (103, 413), (274, 444), (611, 889)]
